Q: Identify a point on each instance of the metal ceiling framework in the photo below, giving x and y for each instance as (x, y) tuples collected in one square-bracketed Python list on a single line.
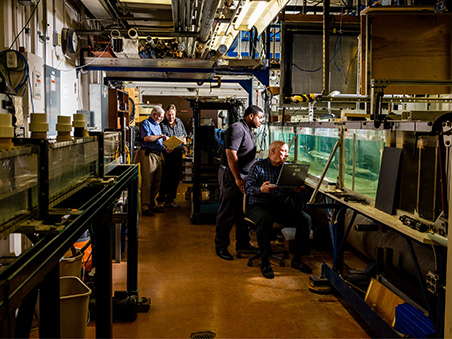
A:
[(182, 71), (194, 36), (185, 40), (187, 28)]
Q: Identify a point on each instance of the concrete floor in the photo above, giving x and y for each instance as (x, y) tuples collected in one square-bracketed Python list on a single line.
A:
[(193, 290)]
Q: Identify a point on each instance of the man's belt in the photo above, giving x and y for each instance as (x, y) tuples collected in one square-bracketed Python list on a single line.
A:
[(148, 151)]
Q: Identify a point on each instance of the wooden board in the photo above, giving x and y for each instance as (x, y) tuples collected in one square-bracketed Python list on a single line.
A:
[(411, 47), (382, 300)]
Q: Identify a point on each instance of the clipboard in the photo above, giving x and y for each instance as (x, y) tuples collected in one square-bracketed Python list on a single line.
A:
[(172, 142)]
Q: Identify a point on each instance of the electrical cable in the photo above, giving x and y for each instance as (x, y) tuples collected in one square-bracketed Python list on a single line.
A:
[(23, 69), (82, 66), (32, 13)]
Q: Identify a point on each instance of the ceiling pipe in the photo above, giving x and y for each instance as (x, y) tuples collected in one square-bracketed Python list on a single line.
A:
[(191, 42), (188, 14), (208, 17), (181, 7), (198, 14), (175, 9), (239, 4)]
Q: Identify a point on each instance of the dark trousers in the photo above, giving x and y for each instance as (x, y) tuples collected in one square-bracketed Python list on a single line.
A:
[(171, 173), (265, 215), (230, 212)]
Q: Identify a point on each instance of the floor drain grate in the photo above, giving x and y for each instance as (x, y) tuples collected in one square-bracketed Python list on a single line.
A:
[(203, 335)]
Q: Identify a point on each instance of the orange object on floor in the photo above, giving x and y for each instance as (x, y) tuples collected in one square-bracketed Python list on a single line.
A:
[(87, 260)]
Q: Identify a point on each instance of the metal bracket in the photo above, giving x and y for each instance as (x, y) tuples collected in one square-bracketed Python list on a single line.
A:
[(37, 226)]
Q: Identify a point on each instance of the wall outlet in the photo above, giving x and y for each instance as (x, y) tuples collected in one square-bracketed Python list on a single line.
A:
[(11, 59)]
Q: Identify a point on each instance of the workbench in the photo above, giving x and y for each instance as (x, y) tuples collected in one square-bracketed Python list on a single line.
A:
[(36, 271), (339, 232)]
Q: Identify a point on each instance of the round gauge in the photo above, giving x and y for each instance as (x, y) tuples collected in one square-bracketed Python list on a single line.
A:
[(69, 41)]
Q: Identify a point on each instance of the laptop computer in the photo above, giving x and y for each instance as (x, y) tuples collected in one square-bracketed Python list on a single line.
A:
[(292, 175)]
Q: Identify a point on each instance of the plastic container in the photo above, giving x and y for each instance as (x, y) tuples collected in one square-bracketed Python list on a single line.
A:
[(74, 300), (71, 265)]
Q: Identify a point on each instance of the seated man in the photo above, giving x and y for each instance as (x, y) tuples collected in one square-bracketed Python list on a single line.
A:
[(267, 204)]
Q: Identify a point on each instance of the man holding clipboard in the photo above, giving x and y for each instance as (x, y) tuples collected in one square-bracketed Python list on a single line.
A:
[(268, 203), (174, 128)]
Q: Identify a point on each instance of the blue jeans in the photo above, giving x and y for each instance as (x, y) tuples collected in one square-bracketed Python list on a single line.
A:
[(265, 215)]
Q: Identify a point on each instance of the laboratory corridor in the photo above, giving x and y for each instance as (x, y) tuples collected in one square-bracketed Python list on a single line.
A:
[(192, 290)]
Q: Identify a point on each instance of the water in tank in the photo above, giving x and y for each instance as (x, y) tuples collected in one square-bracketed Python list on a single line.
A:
[(363, 149)]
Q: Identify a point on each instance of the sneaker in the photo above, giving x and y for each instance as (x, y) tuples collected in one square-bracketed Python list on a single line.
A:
[(171, 204)]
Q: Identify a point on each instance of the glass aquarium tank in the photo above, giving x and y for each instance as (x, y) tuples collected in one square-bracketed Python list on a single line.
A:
[(286, 134), (70, 163), (314, 146), (18, 182), (112, 150), (362, 152)]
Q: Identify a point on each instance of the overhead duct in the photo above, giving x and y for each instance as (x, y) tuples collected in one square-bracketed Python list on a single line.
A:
[(208, 17), (97, 8)]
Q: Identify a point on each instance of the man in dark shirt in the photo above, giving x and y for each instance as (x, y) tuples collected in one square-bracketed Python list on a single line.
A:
[(267, 203), (237, 158), (172, 168), (150, 158)]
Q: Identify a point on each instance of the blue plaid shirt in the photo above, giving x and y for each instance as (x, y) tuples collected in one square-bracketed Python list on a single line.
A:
[(260, 172), (178, 130)]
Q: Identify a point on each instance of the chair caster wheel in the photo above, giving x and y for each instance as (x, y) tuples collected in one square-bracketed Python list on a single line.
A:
[(250, 263), (238, 255), (282, 264)]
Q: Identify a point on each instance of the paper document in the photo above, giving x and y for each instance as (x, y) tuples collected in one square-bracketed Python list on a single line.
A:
[(173, 142)]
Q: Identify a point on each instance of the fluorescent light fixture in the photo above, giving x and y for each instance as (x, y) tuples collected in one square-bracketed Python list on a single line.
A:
[(268, 14), (256, 14), (242, 14)]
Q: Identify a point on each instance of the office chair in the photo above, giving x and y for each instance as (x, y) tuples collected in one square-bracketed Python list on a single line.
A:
[(275, 251)]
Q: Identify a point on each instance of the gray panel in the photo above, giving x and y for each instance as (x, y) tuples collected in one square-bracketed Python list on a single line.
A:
[(389, 180), (98, 103), (53, 97), (307, 69)]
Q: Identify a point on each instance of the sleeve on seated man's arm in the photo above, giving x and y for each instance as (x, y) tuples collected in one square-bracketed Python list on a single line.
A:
[(252, 181)]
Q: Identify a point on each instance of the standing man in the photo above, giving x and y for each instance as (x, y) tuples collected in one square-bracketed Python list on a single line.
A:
[(267, 203), (236, 160), (150, 157), (172, 167)]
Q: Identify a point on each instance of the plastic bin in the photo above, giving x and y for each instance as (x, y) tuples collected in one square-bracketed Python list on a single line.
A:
[(71, 265), (74, 300)]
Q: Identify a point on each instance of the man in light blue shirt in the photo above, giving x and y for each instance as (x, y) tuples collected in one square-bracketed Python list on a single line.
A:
[(150, 158)]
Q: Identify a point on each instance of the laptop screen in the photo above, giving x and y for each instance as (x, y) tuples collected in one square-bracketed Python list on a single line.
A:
[(292, 174)]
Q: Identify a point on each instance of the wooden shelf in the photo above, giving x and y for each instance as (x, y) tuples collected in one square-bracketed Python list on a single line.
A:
[(118, 108)]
